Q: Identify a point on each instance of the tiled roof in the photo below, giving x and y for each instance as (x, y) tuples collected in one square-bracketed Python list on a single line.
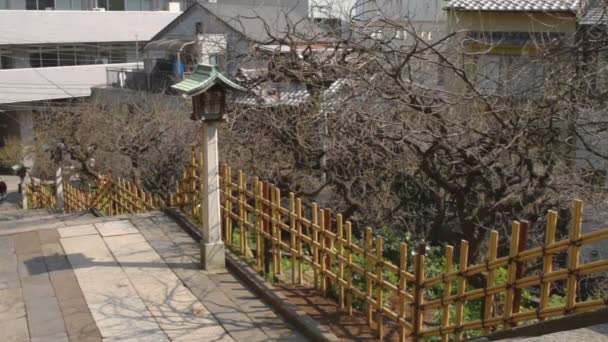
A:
[(596, 16), (515, 5)]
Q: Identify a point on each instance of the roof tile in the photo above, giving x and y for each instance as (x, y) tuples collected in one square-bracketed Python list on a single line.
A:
[(515, 5)]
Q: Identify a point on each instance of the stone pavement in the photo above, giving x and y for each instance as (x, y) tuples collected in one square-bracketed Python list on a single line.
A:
[(120, 279), (596, 333)]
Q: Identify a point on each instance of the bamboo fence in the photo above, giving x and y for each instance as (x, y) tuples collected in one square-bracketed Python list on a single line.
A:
[(40, 196), (269, 226), (303, 244), (113, 196)]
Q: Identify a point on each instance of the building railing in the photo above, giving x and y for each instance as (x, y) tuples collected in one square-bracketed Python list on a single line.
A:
[(289, 240), (138, 79)]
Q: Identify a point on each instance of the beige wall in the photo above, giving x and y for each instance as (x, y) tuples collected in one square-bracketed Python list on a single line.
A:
[(512, 22)]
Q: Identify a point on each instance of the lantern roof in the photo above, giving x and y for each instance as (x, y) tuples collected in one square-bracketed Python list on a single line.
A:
[(204, 77)]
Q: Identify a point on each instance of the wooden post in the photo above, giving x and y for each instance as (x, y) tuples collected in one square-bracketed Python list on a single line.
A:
[(545, 286), (340, 251), (402, 287), (379, 286), (279, 230), (521, 266), (462, 267), (368, 270), (259, 226), (242, 214), (323, 254), (511, 275), (447, 291), (315, 241), (488, 304), (227, 205), (292, 237), (300, 249), (329, 245), (573, 255), (417, 311), (349, 264)]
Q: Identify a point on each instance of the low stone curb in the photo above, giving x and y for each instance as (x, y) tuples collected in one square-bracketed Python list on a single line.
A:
[(270, 294), (571, 322)]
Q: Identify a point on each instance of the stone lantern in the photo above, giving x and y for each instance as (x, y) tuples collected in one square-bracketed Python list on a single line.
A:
[(208, 87)]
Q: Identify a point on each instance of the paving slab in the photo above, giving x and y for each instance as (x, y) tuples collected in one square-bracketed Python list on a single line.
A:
[(114, 304), (178, 312), (14, 330), (114, 228), (80, 230)]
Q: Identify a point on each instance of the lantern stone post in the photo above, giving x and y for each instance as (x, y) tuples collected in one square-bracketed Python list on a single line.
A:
[(207, 87), (212, 246)]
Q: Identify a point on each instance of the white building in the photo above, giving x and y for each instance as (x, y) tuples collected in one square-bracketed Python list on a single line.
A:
[(56, 55)]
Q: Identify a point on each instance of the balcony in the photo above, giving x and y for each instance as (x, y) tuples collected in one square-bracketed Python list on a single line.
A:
[(138, 79)]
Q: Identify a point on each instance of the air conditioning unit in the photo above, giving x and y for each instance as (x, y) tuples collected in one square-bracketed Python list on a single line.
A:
[(99, 9)]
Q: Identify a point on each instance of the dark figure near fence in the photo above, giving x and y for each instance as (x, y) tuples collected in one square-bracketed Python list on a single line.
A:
[(2, 190)]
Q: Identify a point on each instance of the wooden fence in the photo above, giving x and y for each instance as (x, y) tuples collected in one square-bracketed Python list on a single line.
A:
[(40, 196), (301, 243), (112, 196), (293, 235)]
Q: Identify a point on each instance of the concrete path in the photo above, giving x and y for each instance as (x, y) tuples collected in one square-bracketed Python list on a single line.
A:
[(135, 279)]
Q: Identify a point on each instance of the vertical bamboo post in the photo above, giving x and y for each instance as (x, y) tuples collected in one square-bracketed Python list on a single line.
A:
[(521, 266), (299, 234), (573, 255), (488, 304), (417, 311), (340, 253), (273, 228), (368, 279), (322, 253), (329, 245), (462, 267), (511, 274), (349, 264), (266, 220), (242, 214), (193, 180), (447, 291), (259, 248), (545, 286), (380, 286), (292, 237), (401, 290), (228, 205), (315, 241), (279, 228)]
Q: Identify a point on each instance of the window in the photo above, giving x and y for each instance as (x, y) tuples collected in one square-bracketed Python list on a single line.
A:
[(6, 62), (39, 4), (488, 74), (111, 5)]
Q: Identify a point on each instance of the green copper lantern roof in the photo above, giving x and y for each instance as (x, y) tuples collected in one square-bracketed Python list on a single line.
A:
[(204, 77)]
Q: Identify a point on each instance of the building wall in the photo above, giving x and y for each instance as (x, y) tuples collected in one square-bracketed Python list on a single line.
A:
[(76, 5), (512, 22), (417, 10), (36, 84), (184, 29)]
